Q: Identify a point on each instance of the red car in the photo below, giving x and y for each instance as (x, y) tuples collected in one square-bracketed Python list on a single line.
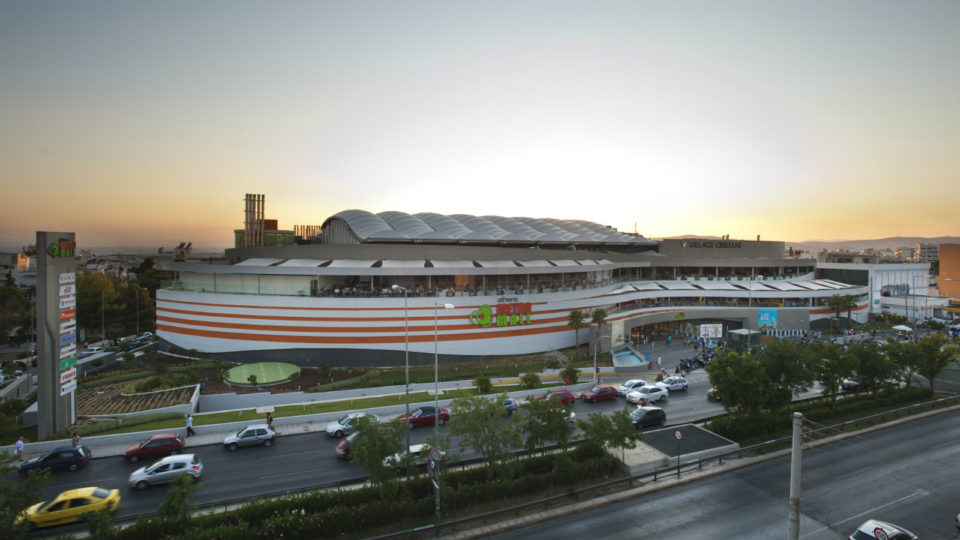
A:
[(599, 393), (157, 446), (343, 447), (424, 416), (566, 397)]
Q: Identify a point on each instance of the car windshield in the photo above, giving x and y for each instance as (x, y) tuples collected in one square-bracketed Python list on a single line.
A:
[(45, 505), (343, 421), (101, 493), (596, 389)]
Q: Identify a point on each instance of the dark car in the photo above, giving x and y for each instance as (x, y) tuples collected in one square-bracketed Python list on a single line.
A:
[(566, 397), (425, 416), (65, 458), (599, 393), (644, 417), (158, 446)]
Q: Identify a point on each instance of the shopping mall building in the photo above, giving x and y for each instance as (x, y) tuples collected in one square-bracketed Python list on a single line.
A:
[(373, 285)]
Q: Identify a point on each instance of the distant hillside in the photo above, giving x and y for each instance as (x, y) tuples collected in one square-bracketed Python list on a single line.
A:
[(880, 243)]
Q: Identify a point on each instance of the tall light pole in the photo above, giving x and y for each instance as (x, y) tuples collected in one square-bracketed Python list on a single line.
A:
[(406, 353), (436, 400)]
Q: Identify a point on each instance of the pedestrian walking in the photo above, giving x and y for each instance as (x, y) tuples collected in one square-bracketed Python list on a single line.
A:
[(76, 440), (20, 448), (269, 420), (190, 430)]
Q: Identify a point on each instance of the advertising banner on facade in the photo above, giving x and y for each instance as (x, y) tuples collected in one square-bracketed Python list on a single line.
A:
[(767, 318), (711, 331)]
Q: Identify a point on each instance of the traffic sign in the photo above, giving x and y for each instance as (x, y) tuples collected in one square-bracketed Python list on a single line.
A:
[(678, 434)]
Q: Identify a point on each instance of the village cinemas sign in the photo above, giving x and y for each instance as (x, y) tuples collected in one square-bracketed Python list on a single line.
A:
[(712, 244)]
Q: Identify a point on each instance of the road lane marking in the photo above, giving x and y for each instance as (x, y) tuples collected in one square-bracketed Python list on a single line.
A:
[(920, 492)]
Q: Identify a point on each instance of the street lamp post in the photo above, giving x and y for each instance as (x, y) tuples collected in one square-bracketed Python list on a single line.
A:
[(436, 400), (406, 353)]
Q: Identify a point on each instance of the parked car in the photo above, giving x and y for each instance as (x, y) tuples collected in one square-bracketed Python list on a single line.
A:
[(425, 416), (644, 417), (647, 393), (630, 386), (343, 447), (346, 424), (418, 452), (64, 458), (70, 506), (251, 435), (566, 397), (673, 384), (599, 393), (166, 470), (868, 531), (157, 446), (510, 405)]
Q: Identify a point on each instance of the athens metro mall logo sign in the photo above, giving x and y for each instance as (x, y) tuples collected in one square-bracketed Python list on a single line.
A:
[(62, 248), (505, 314)]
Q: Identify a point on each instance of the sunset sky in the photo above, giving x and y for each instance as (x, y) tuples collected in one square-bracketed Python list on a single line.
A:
[(145, 123)]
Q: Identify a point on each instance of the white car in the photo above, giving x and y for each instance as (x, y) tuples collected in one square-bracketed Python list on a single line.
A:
[(630, 386), (673, 384), (345, 425), (420, 453), (648, 393), (872, 529), (165, 470)]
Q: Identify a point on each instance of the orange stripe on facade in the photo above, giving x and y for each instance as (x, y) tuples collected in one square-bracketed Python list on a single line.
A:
[(350, 340), (161, 316)]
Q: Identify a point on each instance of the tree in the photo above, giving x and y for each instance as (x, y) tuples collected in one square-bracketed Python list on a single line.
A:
[(787, 366), (483, 384), (571, 374), (14, 310), (934, 355), (374, 443), (481, 426), (832, 366), (575, 321), (175, 506), (839, 304), (17, 495), (598, 316), (530, 380), (549, 420), (615, 430), (740, 379), (873, 368), (905, 354)]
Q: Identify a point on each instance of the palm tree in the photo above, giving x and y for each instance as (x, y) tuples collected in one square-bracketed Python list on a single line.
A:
[(839, 304), (597, 316), (575, 321)]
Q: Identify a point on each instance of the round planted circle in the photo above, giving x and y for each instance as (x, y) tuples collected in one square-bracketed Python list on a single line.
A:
[(267, 373)]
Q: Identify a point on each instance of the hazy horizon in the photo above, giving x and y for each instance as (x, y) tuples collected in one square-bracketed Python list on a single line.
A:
[(145, 123)]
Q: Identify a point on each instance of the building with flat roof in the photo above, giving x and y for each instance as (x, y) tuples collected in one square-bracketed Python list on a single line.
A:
[(380, 283)]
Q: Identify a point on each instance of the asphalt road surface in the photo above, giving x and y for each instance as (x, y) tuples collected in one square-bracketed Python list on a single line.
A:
[(903, 475)]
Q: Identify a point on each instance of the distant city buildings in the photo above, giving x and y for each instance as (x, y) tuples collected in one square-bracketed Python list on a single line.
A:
[(926, 253)]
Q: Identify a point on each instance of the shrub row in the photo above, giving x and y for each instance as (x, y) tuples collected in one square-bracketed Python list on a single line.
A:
[(115, 423), (741, 427), (127, 376), (336, 385), (107, 375), (330, 513)]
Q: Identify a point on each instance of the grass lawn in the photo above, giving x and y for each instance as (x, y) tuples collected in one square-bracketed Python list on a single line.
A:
[(265, 372)]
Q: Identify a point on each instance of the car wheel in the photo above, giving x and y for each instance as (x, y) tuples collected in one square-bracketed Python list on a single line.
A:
[(268, 443), (412, 425), (134, 459), (338, 434), (663, 397), (73, 466), (233, 447), (141, 485), (662, 421), (440, 421), (175, 452)]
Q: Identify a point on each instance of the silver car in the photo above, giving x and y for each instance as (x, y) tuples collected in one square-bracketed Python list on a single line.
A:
[(251, 435), (346, 424), (165, 470), (630, 386)]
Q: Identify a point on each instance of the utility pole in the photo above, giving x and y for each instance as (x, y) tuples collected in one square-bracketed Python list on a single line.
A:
[(793, 528)]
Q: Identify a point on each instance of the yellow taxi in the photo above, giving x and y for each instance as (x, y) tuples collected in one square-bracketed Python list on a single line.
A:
[(70, 506)]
